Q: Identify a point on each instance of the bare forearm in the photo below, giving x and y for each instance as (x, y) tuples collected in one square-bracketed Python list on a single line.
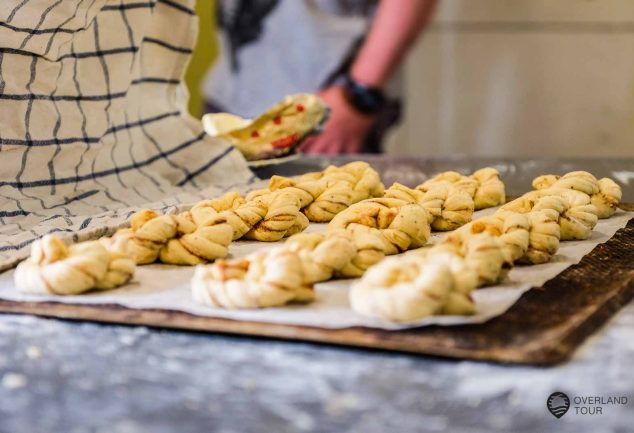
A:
[(395, 27)]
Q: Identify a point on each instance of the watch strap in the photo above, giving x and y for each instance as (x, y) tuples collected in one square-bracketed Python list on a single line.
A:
[(366, 99)]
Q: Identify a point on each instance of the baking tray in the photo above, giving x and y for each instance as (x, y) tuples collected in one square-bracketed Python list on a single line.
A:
[(544, 327)]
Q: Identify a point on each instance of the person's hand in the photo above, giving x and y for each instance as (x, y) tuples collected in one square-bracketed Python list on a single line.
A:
[(345, 130)]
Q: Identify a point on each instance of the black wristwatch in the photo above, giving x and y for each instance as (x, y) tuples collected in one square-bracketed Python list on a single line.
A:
[(367, 100)]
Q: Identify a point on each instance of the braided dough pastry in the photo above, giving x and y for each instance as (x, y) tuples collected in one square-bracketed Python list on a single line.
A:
[(240, 214), (402, 290), (447, 207), (346, 253), (282, 218), (407, 289), (577, 215), (325, 194), (580, 216), (605, 194), (483, 252), (511, 228), (404, 226), (323, 255), (363, 179), (465, 276), (490, 191), (265, 216), (608, 198), (544, 236), (260, 280), (428, 281), (484, 186), (204, 233), (457, 180), (184, 239), (578, 180), (54, 268)]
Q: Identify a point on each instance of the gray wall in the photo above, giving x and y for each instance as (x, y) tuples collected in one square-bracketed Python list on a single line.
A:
[(522, 77)]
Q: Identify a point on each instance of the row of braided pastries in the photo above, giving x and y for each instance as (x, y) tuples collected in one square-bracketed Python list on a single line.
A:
[(204, 233), (344, 252), (439, 280), (358, 236), (199, 235), (358, 239), (436, 280)]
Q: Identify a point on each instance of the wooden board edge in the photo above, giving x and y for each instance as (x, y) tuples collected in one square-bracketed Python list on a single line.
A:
[(562, 348), (362, 338), (559, 350)]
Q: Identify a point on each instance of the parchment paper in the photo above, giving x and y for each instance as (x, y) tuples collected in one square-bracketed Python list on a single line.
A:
[(161, 286)]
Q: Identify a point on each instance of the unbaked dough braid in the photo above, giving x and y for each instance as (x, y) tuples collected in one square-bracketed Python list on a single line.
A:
[(577, 215), (483, 252), (512, 228), (323, 255), (577, 180), (605, 194), (402, 290), (410, 288), (241, 218), (183, 239), (544, 236), (324, 194), (429, 281), (54, 268), (264, 215), (531, 237), (259, 280), (490, 191), (465, 276), (447, 207), (371, 247), (608, 198), (283, 217), (333, 196), (484, 186), (404, 226), (204, 233), (363, 179), (346, 253), (459, 181), (360, 237), (579, 218)]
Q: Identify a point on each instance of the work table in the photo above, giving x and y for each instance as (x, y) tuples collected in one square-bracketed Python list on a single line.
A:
[(85, 377)]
